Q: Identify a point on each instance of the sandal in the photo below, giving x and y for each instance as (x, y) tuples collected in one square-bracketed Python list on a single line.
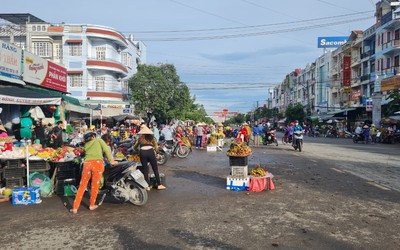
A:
[(74, 211), (91, 208), (161, 187)]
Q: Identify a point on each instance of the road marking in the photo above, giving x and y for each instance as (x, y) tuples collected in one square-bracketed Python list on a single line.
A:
[(378, 186), (338, 170)]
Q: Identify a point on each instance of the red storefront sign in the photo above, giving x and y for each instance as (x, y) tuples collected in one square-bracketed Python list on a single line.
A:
[(346, 71), (44, 73)]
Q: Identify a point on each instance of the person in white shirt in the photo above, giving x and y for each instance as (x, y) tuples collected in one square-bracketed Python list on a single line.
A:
[(358, 129)]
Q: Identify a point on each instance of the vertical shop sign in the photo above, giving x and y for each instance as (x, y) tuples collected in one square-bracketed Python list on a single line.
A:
[(10, 60), (346, 71)]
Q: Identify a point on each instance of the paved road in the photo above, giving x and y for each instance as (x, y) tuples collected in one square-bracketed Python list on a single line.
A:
[(333, 195)]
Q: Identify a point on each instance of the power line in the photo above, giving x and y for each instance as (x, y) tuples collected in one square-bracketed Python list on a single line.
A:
[(248, 26), (282, 13), (272, 32)]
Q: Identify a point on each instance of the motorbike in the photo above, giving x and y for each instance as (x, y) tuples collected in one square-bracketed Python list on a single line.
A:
[(270, 138), (178, 148), (298, 140), (126, 147), (357, 138), (286, 138), (125, 183), (348, 134), (331, 133)]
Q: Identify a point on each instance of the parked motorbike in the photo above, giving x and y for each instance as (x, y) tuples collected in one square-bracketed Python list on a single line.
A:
[(125, 183), (331, 133), (270, 138), (126, 147), (298, 140), (357, 138)]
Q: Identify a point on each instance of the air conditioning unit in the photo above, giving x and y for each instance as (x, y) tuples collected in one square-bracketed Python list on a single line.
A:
[(119, 49)]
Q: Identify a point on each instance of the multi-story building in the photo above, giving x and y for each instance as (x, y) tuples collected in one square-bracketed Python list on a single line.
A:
[(99, 59), (323, 82), (368, 63)]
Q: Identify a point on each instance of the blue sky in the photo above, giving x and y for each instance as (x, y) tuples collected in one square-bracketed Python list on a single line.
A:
[(227, 51)]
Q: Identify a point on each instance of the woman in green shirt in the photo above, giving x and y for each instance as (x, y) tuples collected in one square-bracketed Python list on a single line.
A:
[(93, 168)]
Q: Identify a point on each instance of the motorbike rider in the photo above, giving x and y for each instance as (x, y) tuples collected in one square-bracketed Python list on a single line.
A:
[(167, 134), (296, 128), (290, 131)]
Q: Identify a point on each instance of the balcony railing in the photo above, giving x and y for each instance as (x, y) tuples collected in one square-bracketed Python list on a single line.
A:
[(365, 77)]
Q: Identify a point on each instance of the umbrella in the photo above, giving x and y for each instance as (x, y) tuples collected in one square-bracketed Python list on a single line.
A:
[(123, 117)]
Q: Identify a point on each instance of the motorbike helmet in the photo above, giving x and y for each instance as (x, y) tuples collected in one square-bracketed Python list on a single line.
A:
[(297, 121), (88, 136), (292, 123)]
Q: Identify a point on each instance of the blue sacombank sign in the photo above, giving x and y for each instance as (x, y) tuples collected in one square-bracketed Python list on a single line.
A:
[(332, 41)]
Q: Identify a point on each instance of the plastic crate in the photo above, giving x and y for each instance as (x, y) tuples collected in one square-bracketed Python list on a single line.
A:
[(38, 166), (13, 163), (14, 172), (66, 174), (64, 166), (238, 161), (13, 182)]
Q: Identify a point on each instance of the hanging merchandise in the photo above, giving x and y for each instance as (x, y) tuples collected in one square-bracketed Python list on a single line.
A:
[(36, 113)]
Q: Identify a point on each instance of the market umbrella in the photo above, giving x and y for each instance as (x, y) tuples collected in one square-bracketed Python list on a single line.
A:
[(123, 117)]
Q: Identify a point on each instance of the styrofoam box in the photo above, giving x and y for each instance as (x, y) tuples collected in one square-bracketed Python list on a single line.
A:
[(239, 171), (237, 183), (211, 148), (220, 143)]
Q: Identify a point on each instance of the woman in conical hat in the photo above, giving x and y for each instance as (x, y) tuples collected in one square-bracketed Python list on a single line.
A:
[(147, 153)]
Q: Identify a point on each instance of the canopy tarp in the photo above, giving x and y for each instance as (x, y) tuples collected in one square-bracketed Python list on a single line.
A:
[(340, 111), (123, 117), (25, 96)]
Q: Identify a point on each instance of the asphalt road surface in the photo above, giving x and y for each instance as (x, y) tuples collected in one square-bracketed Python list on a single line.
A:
[(333, 195)]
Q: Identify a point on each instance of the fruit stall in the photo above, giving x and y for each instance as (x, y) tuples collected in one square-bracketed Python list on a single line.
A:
[(27, 168), (239, 178)]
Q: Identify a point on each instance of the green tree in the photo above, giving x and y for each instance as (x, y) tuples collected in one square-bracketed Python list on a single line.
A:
[(295, 112), (158, 89), (394, 104)]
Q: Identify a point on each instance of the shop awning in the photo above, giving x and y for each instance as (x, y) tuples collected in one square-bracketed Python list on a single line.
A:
[(24, 96), (12, 80), (340, 111), (71, 103)]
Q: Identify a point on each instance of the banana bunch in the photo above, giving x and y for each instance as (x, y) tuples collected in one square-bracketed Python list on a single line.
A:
[(258, 171), (239, 149), (119, 155), (212, 140), (134, 157), (43, 154)]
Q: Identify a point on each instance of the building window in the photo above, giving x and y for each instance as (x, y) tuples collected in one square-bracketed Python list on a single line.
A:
[(388, 63), (75, 49), (125, 86), (58, 51), (100, 83), (101, 53), (43, 49), (75, 80), (127, 60)]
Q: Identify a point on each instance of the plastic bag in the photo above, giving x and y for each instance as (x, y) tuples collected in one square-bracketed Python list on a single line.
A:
[(37, 179), (257, 184)]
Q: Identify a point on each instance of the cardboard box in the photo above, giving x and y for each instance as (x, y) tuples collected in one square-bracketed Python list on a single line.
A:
[(237, 184), (239, 171), (25, 196)]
